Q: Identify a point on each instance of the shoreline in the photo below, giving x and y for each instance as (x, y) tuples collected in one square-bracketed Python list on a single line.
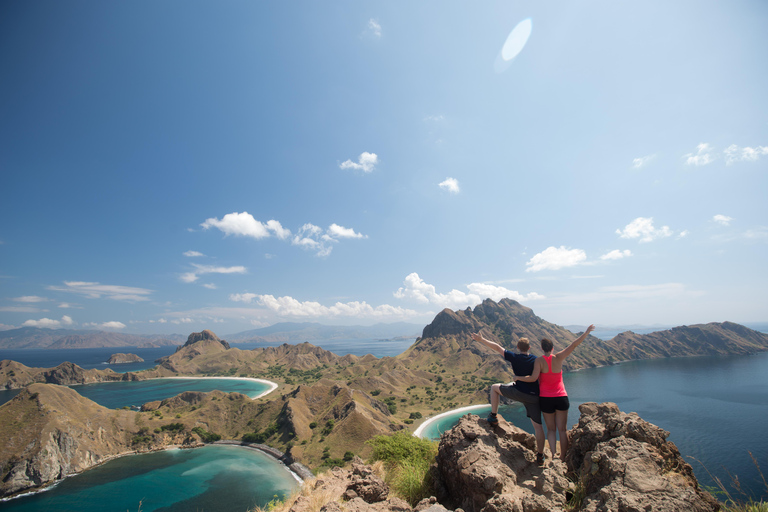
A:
[(238, 444), (272, 385), (418, 432)]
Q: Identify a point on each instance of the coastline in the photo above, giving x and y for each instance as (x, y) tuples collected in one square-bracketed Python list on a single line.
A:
[(432, 419), (295, 474), (272, 385)]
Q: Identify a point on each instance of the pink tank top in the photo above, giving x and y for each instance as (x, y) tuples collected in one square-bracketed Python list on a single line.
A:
[(551, 384)]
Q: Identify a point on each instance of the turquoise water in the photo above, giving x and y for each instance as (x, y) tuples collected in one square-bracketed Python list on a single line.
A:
[(119, 394), (135, 393), (716, 409), (210, 479)]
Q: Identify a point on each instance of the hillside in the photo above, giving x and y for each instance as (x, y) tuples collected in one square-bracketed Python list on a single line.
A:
[(37, 338), (327, 405)]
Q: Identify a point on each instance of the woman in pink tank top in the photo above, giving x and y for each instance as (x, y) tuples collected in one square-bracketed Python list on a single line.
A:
[(553, 398)]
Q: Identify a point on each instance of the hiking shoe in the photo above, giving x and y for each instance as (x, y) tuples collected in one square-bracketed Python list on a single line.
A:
[(540, 459), (493, 420)]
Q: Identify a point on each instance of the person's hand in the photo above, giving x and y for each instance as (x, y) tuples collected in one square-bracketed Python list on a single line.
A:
[(590, 328), (476, 336)]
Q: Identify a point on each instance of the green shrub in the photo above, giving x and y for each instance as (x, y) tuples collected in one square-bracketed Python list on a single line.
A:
[(207, 437), (408, 459), (415, 416), (173, 427), (313, 424)]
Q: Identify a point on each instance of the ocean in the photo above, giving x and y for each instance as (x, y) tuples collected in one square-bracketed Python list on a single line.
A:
[(715, 408), (214, 478)]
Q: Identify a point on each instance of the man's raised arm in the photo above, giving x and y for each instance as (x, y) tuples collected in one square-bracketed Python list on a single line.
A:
[(488, 343)]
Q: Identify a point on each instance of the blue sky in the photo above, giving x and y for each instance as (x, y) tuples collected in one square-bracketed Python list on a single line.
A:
[(174, 166)]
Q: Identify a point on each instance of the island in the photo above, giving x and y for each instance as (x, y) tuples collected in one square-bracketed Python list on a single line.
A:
[(121, 358)]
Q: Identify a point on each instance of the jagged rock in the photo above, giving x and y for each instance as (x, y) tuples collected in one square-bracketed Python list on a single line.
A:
[(204, 335), (621, 461), (494, 470), (365, 484), (626, 463)]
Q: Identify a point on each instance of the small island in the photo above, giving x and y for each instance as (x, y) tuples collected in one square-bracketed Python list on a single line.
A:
[(124, 358)]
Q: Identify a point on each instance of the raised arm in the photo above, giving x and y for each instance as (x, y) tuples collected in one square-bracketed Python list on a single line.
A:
[(488, 343), (535, 375), (575, 343)]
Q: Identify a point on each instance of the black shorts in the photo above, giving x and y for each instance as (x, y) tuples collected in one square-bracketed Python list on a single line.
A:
[(550, 404), (531, 402)]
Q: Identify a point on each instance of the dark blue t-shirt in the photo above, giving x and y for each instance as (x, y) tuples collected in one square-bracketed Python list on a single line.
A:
[(522, 366)]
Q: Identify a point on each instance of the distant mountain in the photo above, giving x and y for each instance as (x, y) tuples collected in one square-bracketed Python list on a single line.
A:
[(448, 339), (37, 338), (293, 332)]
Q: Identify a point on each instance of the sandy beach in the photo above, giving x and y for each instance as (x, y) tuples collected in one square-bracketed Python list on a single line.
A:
[(272, 385), (432, 419)]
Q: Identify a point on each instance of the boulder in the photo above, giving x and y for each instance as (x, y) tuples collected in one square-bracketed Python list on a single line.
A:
[(617, 461)]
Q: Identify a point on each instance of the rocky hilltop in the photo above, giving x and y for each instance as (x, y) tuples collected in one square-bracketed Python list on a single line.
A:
[(448, 336), (619, 463), (121, 358)]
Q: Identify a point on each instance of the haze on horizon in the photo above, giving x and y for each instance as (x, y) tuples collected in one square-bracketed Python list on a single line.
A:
[(178, 166)]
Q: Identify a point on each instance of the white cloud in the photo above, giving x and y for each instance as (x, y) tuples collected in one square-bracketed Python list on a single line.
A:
[(703, 155), (30, 299), (179, 321), (313, 238), (336, 231), (210, 286), (642, 228), (289, 307), (554, 258), (67, 305), (366, 162), (435, 118), (113, 325), (639, 163), (243, 224), (47, 323), (193, 254), (734, 153), (21, 309), (451, 185), (94, 290), (374, 27), (723, 220), (416, 289), (191, 277), (616, 254), (243, 297)]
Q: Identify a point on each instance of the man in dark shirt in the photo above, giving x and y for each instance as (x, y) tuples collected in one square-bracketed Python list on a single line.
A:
[(525, 392)]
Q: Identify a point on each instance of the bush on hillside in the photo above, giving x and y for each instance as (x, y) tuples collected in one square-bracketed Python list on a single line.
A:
[(407, 459)]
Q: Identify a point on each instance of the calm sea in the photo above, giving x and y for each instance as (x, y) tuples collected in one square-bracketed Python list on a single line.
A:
[(212, 479), (715, 408)]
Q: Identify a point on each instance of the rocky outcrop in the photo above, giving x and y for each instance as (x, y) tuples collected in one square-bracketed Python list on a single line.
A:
[(626, 463), (617, 462), (357, 489), (121, 358), (203, 336), (50, 432)]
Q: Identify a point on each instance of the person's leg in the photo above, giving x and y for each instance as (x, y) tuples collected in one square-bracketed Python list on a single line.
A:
[(538, 432), (561, 420), (493, 419), (495, 393), (549, 419)]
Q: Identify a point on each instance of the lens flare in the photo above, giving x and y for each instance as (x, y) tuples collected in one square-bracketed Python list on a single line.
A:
[(514, 44)]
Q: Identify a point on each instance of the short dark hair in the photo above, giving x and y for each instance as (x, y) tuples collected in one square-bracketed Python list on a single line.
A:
[(546, 345), (523, 345)]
